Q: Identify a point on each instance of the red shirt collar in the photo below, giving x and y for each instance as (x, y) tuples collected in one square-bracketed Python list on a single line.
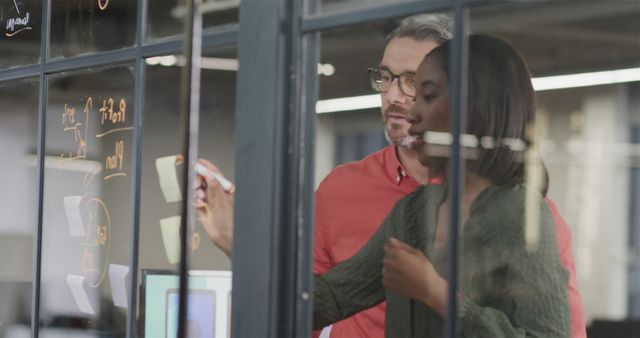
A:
[(396, 171)]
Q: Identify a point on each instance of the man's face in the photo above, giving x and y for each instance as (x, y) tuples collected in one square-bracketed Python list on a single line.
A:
[(402, 55)]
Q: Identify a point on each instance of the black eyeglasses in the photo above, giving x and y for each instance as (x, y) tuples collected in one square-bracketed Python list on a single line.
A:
[(381, 80)]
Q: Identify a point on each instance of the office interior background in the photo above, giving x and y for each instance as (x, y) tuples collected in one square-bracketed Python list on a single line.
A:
[(90, 122)]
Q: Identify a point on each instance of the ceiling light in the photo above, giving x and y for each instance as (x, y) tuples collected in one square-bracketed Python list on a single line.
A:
[(326, 69), (219, 63), (586, 79), (539, 84), (348, 103)]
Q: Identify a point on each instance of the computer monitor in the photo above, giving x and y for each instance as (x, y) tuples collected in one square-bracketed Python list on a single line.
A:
[(208, 308)]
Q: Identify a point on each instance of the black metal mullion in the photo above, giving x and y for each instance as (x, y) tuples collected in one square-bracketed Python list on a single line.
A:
[(190, 110), (307, 93), (220, 36), (296, 268), (458, 106), (162, 48), (20, 72), (42, 118), (138, 118), (93, 60), (308, 98), (212, 38)]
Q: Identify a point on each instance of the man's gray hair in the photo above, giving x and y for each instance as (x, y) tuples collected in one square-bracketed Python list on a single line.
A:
[(425, 27)]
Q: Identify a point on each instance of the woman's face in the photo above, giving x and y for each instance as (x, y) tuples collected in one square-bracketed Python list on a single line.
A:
[(430, 112)]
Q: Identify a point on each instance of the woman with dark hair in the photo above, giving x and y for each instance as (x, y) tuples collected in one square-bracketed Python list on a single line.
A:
[(512, 284)]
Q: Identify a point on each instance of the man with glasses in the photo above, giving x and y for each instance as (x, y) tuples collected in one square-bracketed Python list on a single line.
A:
[(353, 200)]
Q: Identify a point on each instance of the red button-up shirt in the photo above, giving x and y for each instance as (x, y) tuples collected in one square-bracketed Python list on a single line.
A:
[(351, 203)]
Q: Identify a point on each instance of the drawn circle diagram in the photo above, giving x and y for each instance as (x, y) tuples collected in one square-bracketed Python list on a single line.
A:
[(95, 252)]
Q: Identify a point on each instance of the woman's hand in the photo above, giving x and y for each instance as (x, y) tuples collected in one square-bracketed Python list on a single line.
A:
[(407, 272), (214, 207)]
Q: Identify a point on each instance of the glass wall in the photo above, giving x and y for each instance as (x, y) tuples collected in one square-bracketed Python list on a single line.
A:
[(93, 221), (18, 145), (97, 244), (87, 200)]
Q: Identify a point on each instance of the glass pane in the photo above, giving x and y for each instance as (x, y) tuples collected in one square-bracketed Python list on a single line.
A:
[(585, 62), (216, 144), (81, 27), (87, 202), (210, 288), (160, 197), (165, 17), (366, 133), (341, 5), (20, 41), (18, 204)]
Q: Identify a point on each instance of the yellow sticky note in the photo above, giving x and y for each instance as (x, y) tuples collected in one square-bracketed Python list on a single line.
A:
[(166, 167), (170, 228)]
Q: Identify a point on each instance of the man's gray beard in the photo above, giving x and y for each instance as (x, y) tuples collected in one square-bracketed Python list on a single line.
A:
[(403, 142)]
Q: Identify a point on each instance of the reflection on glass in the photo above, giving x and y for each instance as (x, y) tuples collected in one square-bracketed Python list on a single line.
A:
[(81, 26), (87, 201), (18, 204), (162, 189), (587, 133), (165, 17), (21, 31)]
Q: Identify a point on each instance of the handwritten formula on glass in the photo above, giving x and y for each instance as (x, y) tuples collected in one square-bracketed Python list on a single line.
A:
[(21, 20), (112, 118), (18, 23), (71, 123)]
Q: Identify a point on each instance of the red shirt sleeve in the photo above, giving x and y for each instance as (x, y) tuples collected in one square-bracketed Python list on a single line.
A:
[(322, 258), (563, 236)]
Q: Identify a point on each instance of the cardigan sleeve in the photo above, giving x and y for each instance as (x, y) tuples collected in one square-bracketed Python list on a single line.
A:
[(520, 291)]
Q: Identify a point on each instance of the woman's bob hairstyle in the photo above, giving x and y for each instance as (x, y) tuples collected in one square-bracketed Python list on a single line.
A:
[(501, 107)]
